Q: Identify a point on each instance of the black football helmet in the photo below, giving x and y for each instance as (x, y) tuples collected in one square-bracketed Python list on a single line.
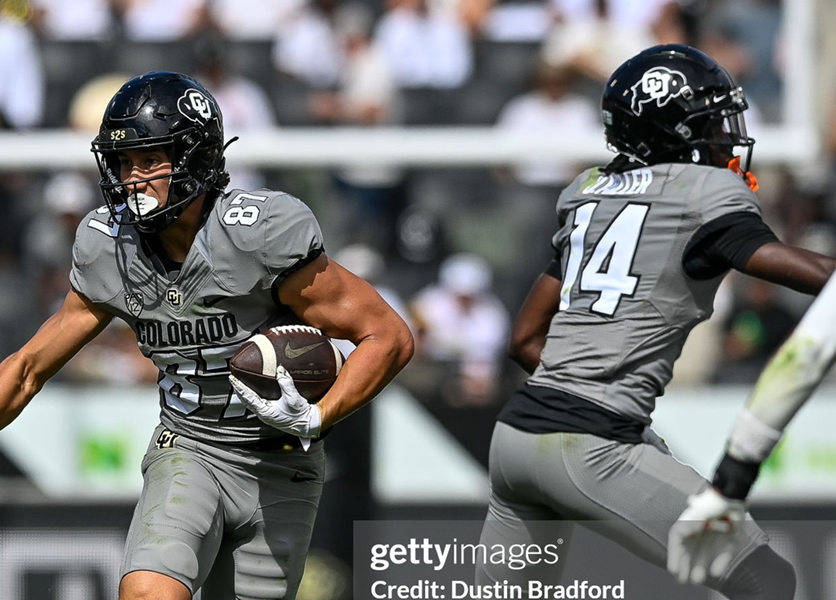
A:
[(673, 103), (169, 111)]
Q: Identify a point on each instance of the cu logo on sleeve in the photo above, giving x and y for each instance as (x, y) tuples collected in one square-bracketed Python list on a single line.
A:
[(195, 106)]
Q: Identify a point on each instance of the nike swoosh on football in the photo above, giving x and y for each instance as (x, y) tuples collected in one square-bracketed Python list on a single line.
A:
[(291, 352)]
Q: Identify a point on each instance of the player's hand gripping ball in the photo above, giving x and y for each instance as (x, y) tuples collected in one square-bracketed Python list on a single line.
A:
[(272, 366), (308, 355)]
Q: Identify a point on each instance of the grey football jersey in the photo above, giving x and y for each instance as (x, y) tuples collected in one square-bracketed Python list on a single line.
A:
[(626, 304), (192, 325)]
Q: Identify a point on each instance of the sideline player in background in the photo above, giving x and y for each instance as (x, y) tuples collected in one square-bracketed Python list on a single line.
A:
[(229, 495), (641, 247), (705, 535)]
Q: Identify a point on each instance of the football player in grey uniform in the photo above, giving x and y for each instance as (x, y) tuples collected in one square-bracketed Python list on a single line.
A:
[(707, 530), (229, 495), (640, 249)]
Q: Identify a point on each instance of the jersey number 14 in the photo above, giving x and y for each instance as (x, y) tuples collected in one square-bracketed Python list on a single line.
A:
[(607, 272)]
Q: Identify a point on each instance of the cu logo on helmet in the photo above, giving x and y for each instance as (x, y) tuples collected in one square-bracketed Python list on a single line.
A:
[(658, 84), (195, 106)]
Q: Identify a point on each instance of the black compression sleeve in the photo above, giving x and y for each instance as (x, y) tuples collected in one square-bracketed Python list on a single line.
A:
[(724, 243), (554, 269), (734, 478)]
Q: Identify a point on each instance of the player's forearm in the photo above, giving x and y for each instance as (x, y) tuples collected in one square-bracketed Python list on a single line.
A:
[(367, 370), (786, 383), (18, 385), (531, 326), (788, 380), (799, 365), (527, 353)]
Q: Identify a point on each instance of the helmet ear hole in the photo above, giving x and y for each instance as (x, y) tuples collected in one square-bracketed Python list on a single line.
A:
[(683, 130), (644, 150)]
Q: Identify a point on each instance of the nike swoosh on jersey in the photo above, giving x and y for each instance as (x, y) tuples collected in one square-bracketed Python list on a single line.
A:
[(210, 301), (291, 352)]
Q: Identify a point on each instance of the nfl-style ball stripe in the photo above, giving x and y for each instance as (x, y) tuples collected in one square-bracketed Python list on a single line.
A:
[(269, 361)]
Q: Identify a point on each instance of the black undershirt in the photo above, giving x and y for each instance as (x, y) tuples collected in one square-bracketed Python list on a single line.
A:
[(724, 243), (540, 409), (162, 263)]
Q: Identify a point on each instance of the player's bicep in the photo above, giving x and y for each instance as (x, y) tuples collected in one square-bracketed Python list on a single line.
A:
[(327, 296), (62, 335)]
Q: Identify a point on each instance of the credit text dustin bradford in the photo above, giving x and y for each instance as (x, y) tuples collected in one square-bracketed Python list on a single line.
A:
[(499, 590)]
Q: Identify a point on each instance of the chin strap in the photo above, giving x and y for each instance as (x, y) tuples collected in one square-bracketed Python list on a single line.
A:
[(748, 176)]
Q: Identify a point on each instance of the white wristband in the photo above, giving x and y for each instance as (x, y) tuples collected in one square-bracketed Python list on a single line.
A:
[(752, 440)]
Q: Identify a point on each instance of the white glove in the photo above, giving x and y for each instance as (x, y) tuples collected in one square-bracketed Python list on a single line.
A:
[(290, 413), (705, 538)]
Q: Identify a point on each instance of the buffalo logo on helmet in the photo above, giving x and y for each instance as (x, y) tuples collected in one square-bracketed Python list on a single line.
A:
[(658, 84), (195, 106)]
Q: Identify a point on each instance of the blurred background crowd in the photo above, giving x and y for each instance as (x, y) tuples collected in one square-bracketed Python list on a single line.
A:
[(453, 249)]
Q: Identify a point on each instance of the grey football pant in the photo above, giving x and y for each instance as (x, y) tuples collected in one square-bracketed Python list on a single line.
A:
[(234, 523), (630, 493)]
